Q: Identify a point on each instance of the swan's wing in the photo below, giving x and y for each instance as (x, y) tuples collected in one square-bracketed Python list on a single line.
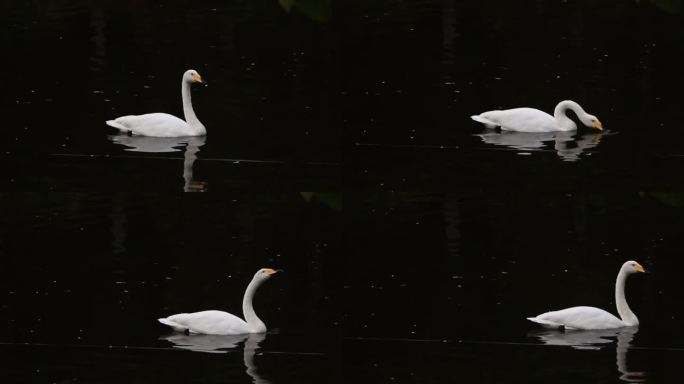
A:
[(524, 120), (209, 322), (152, 124), (579, 318)]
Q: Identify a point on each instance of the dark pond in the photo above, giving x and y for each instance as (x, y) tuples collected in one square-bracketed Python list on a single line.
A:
[(340, 149)]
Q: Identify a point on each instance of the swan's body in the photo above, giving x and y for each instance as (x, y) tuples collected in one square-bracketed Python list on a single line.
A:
[(223, 323), (163, 124), (595, 318), (211, 323), (579, 318), (534, 120), (156, 125)]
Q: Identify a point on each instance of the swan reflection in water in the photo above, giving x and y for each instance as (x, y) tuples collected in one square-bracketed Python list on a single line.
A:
[(597, 339), (221, 344), (566, 145), (168, 144)]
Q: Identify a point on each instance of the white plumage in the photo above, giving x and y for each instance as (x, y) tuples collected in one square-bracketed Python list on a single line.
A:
[(579, 318), (534, 120), (595, 318), (208, 323), (223, 323), (163, 124)]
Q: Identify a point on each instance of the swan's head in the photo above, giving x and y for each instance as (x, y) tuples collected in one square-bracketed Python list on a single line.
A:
[(591, 121), (192, 76), (633, 267), (265, 274)]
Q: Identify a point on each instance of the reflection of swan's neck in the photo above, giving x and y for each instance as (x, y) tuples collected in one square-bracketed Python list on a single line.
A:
[(255, 324), (251, 345), (562, 119), (626, 314), (189, 159), (189, 113), (624, 339)]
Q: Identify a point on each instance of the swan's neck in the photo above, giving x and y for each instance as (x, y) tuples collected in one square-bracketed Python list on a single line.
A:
[(560, 114), (255, 324), (189, 113), (626, 314)]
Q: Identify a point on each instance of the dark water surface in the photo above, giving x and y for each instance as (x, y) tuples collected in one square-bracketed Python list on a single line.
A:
[(339, 148)]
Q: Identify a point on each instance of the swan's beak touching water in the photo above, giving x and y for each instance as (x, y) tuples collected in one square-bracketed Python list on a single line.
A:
[(639, 268), (598, 125)]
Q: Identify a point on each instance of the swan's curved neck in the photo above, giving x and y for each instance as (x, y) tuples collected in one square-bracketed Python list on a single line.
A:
[(253, 321), (560, 114), (626, 314), (189, 113)]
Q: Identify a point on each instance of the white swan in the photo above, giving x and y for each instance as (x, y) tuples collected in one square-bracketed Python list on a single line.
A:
[(534, 120), (163, 124), (224, 323), (595, 318)]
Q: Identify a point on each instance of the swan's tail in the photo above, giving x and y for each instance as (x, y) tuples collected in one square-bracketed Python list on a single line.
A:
[(176, 327), (117, 125), (545, 323), (481, 119)]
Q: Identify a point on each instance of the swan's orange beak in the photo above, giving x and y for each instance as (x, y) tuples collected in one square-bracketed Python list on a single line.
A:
[(639, 268), (598, 125), (270, 271), (198, 79)]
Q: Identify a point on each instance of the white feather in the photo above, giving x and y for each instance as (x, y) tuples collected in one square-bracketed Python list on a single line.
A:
[(579, 318), (223, 323), (534, 120), (163, 124), (152, 124), (586, 318), (208, 323)]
